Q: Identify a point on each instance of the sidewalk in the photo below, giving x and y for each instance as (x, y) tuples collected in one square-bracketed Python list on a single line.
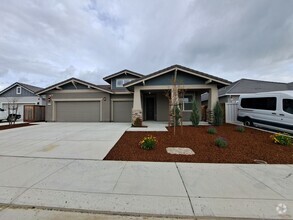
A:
[(148, 188)]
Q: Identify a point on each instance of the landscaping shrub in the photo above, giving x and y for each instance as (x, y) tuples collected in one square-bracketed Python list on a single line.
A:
[(194, 118), (218, 115), (137, 122), (221, 142), (212, 130), (148, 143), (282, 138), (240, 129)]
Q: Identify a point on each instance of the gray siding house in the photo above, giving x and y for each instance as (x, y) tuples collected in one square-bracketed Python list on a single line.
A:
[(21, 94), (129, 95), (232, 92)]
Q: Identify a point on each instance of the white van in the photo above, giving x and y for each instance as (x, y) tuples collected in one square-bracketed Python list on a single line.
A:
[(273, 110)]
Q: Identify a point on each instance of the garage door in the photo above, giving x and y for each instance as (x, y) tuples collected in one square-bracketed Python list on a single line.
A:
[(122, 111), (78, 111)]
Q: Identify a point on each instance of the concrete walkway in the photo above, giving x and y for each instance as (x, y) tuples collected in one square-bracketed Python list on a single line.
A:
[(148, 188)]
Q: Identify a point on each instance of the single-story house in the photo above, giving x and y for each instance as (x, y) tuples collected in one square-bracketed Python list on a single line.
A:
[(231, 93), (129, 95), (21, 94)]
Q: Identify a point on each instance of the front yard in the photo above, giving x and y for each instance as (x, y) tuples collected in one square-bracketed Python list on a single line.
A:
[(243, 147)]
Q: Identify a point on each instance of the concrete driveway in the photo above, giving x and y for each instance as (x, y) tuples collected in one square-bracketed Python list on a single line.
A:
[(62, 140)]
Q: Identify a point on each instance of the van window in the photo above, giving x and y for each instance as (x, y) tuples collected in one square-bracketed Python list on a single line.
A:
[(288, 105), (267, 103)]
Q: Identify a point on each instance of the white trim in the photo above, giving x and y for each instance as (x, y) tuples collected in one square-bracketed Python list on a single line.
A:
[(176, 68), (71, 81), (112, 105), (76, 100)]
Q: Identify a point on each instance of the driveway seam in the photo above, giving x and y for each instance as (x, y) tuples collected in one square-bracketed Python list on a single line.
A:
[(185, 189), (28, 188), (243, 171), (119, 177)]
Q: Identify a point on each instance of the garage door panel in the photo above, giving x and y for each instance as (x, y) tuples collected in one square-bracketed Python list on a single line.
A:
[(78, 111), (122, 111)]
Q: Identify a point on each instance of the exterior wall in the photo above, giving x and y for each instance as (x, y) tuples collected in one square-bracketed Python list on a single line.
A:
[(162, 107), (79, 95), (12, 93), (113, 82), (182, 79), (70, 86), (30, 99)]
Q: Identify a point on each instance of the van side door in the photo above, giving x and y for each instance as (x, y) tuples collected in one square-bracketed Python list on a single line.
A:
[(286, 113)]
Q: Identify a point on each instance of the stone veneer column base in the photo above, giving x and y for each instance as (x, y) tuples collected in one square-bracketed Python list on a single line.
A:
[(210, 116), (136, 113)]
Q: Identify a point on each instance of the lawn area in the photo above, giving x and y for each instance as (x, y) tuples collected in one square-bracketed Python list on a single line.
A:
[(243, 147)]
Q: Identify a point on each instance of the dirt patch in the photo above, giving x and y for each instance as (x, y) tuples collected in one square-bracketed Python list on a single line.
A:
[(243, 147), (5, 127)]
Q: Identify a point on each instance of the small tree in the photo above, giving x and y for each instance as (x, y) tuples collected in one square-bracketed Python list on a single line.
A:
[(194, 118), (218, 115), (176, 115)]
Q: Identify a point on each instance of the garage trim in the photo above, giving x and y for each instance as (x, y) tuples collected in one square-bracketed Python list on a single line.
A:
[(112, 105), (76, 100)]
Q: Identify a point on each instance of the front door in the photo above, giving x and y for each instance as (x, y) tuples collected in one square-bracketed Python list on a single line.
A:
[(150, 108)]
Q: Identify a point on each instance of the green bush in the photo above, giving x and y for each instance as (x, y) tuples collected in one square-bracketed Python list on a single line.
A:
[(148, 143), (137, 122), (194, 118), (218, 115), (212, 130), (282, 138), (221, 142), (240, 129)]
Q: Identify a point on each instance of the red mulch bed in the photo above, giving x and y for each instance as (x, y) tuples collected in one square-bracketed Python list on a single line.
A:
[(243, 147), (5, 127)]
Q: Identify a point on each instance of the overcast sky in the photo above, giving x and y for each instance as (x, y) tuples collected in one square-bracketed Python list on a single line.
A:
[(44, 42)]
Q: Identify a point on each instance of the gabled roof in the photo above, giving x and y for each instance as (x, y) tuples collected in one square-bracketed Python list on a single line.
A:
[(30, 88), (127, 72), (73, 80), (252, 86), (178, 67)]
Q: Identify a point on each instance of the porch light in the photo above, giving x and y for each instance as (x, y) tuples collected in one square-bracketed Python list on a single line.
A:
[(104, 99)]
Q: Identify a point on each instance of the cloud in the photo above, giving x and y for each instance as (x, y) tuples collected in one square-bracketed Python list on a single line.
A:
[(48, 41)]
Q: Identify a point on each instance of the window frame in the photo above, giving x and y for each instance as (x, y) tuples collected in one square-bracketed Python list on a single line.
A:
[(18, 90), (284, 108), (124, 80), (183, 102), (256, 103)]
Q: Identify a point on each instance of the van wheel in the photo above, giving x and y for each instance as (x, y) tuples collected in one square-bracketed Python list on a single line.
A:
[(248, 122)]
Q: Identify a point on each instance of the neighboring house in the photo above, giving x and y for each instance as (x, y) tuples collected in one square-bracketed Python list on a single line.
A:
[(129, 95), (231, 93), (21, 94)]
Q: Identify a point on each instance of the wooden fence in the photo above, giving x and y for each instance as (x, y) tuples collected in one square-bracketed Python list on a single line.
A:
[(34, 113)]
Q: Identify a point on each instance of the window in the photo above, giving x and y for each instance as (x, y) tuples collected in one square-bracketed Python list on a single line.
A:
[(121, 82), (18, 90), (266, 103), (187, 103), (288, 105)]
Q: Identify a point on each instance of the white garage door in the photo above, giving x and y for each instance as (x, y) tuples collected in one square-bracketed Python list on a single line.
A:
[(78, 111), (122, 111)]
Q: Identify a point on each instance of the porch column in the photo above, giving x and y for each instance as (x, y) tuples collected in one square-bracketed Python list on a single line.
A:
[(213, 99), (137, 107)]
